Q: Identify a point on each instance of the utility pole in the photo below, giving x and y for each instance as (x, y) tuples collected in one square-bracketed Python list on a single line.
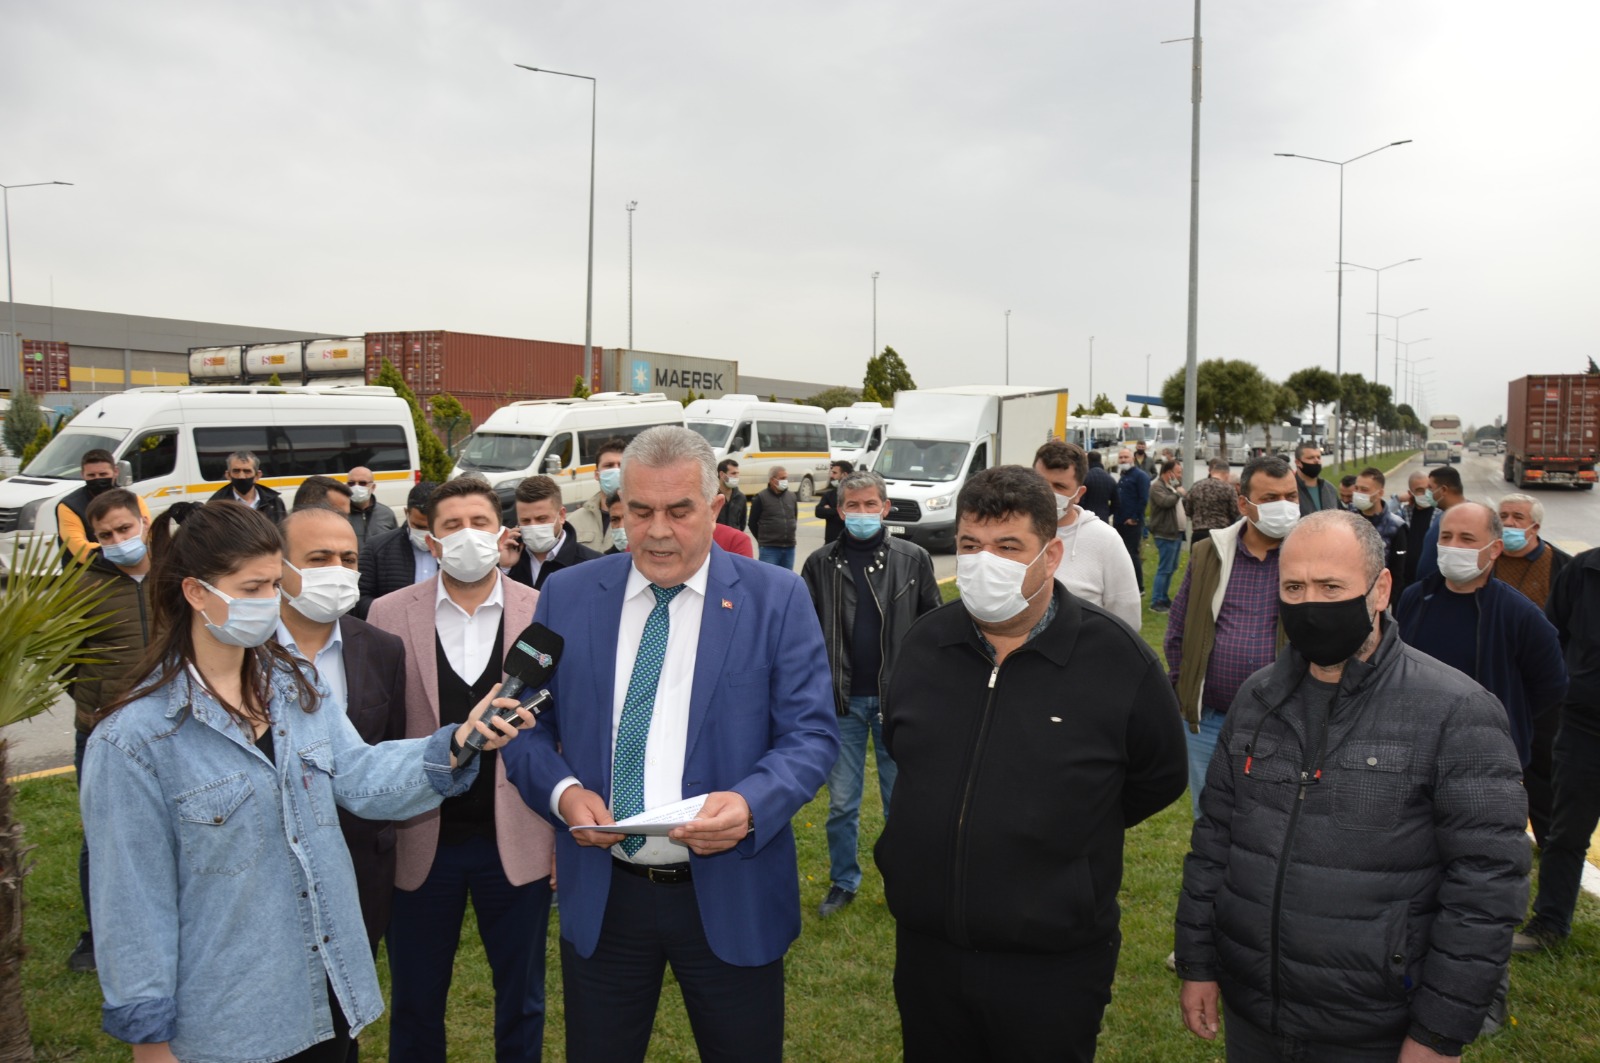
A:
[(1191, 436), (874, 313), (1008, 346), (632, 203)]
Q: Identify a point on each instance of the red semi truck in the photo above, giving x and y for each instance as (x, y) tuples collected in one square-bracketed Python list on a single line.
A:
[(1553, 430)]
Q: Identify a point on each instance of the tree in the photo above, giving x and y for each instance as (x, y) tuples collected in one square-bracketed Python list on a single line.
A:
[(580, 389), (45, 614), (870, 393), (1126, 412), (1285, 407), (1229, 394), (1102, 405), (1144, 411), (828, 398), (274, 382), (41, 439), (1592, 367), (1081, 411), (1314, 387), (449, 414), (688, 397), (1357, 403), (886, 375), (23, 421), (435, 462)]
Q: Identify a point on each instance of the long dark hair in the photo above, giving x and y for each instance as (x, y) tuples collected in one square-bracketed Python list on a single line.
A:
[(208, 542)]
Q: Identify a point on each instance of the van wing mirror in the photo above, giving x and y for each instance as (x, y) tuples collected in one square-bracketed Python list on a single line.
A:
[(124, 473), (552, 464)]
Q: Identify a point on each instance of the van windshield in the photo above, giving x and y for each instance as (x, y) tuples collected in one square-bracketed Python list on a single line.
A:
[(497, 452), (715, 432), (846, 437), (929, 460), (62, 457)]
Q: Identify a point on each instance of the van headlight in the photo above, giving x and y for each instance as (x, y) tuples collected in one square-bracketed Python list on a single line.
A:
[(28, 515), (940, 501)]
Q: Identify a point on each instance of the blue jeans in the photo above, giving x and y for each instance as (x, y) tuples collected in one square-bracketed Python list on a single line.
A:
[(79, 743), (782, 556), (1167, 551), (1201, 746), (845, 783)]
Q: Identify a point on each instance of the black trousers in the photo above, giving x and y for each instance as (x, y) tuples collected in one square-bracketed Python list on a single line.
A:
[(1004, 1007), (736, 1013), (1572, 824), (1131, 536), (1538, 778)]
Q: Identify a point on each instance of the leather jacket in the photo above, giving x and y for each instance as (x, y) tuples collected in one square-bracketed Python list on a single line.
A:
[(900, 579)]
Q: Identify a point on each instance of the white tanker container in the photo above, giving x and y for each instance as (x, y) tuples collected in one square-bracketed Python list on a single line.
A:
[(215, 363)]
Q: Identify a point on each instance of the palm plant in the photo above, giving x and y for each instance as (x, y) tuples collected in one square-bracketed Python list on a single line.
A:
[(45, 614)]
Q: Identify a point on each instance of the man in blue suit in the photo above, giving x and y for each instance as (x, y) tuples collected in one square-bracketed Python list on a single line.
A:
[(1133, 497), (688, 671)]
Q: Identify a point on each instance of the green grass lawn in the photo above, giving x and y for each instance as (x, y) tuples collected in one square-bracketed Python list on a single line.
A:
[(840, 996)]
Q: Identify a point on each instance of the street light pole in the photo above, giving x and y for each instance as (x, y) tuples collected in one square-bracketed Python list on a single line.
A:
[(11, 298), (874, 313), (1407, 359), (1147, 374), (1338, 327), (1091, 376), (588, 299), (1191, 438), (632, 203), (1008, 346)]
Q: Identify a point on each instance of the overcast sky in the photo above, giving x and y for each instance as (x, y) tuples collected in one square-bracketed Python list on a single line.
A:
[(349, 167)]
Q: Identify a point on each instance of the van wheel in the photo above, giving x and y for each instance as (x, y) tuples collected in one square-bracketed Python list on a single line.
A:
[(808, 491)]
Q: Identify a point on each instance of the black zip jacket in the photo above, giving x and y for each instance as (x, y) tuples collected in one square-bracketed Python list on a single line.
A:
[(900, 579), (1574, 608), (1362, 881), (1017, 783)]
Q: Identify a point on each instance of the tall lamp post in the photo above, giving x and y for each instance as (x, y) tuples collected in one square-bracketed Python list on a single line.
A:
[(1008, 346), (1396, 318), (1191, 438), (11, 298), (588, 299), (1377, 300), (1338, 325), (874, 313), (1407, 359), (632, 204), (1091, 376)]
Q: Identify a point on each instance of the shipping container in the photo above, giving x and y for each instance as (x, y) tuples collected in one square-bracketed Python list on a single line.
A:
[(464, 363), (345, 356), (215, 363), (285, 360), (46, 366), (1553, 430), (673, 375)]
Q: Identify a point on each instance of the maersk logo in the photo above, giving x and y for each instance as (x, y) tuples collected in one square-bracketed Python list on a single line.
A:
[(689, 379)]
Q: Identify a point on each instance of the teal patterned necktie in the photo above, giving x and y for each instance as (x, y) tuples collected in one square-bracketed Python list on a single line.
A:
[(627, 773)]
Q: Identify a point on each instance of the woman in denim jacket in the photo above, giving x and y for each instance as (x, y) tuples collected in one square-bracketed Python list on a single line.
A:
[(227, 923)]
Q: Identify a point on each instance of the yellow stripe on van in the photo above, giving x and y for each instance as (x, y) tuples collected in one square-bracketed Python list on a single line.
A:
[(767, 455), (1061, 416)]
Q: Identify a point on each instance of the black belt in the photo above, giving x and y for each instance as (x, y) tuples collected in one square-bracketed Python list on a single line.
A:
[(662, 874)]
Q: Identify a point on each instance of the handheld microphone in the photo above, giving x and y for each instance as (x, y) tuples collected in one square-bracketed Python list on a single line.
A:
[(528, 666)]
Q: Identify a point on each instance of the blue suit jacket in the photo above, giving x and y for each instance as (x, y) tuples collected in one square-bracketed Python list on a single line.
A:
[(761, 723)]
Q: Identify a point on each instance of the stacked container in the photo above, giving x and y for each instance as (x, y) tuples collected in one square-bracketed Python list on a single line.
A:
[(484, 372)]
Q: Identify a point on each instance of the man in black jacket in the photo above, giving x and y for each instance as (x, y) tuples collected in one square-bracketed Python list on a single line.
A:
[(734, 504), (548, 542), (869, 587), (1359, 863), (1099, 489), (401, 557), (1031, 730), (244, 487), (774, 516), (828, 502)]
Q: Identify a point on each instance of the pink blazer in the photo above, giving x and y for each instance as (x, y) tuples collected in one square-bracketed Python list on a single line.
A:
[(526, 840)]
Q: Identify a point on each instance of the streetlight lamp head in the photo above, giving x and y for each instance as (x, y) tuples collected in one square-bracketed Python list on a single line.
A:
[(1397, 143)]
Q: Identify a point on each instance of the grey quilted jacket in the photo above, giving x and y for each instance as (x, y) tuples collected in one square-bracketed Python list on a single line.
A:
[(1375, 897)]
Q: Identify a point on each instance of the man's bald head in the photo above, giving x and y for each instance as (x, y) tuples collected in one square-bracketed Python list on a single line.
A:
[(1418, 481), (1473, 523), (1342, 537), (321, 524)]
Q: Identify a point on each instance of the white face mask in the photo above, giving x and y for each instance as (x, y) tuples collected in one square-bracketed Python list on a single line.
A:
[(1361, 501), (360, 495), (326, 593), (419, 538), (1276, 520), (469, 554), (783, 485), (1459, 564), (540, 538), (619, 538), (250, 623), (991, 585), (1064, 503)]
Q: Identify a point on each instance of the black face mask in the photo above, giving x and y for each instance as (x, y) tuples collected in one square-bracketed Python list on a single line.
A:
[(1327, 633), (1311, 470), (100, 486), (242, 485)]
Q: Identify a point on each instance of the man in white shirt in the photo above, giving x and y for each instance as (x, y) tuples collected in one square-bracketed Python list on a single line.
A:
[(485, 843), (548, 543), (689, 672), (1095, 565)]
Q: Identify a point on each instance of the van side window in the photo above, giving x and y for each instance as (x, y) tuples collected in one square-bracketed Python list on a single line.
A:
[(589, 439), (303, 450), (153, 454), (980, 460), (741, 437), (792, 436), (561, 449)]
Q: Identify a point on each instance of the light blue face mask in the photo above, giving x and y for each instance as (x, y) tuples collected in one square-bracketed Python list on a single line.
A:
[(1514, 538), (1424, 498), (610, 480), (127, 553), (250, 623), (863, 525)]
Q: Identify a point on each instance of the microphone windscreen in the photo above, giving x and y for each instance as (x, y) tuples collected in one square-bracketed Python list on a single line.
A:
[(534, 655)]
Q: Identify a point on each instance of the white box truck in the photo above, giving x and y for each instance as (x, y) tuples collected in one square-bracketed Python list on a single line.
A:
[(938, 437)]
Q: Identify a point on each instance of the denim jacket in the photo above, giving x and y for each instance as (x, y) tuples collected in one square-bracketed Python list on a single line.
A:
[(224, 897)]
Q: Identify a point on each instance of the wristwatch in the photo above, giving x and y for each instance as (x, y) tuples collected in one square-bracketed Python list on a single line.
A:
[(455, 746)]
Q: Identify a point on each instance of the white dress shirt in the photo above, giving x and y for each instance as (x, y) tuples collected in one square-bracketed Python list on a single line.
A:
[(535, 565), (668, 740), (468, 638), (329, 663), (424, 565)]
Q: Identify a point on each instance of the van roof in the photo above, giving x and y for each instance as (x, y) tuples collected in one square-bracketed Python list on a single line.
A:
[(546, 414), (733, 405)]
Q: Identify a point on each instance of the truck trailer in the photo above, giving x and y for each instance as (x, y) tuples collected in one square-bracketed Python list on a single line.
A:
[(1553, 430)]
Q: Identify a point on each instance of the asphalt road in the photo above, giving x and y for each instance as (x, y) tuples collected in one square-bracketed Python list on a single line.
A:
[(1572, 519)]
